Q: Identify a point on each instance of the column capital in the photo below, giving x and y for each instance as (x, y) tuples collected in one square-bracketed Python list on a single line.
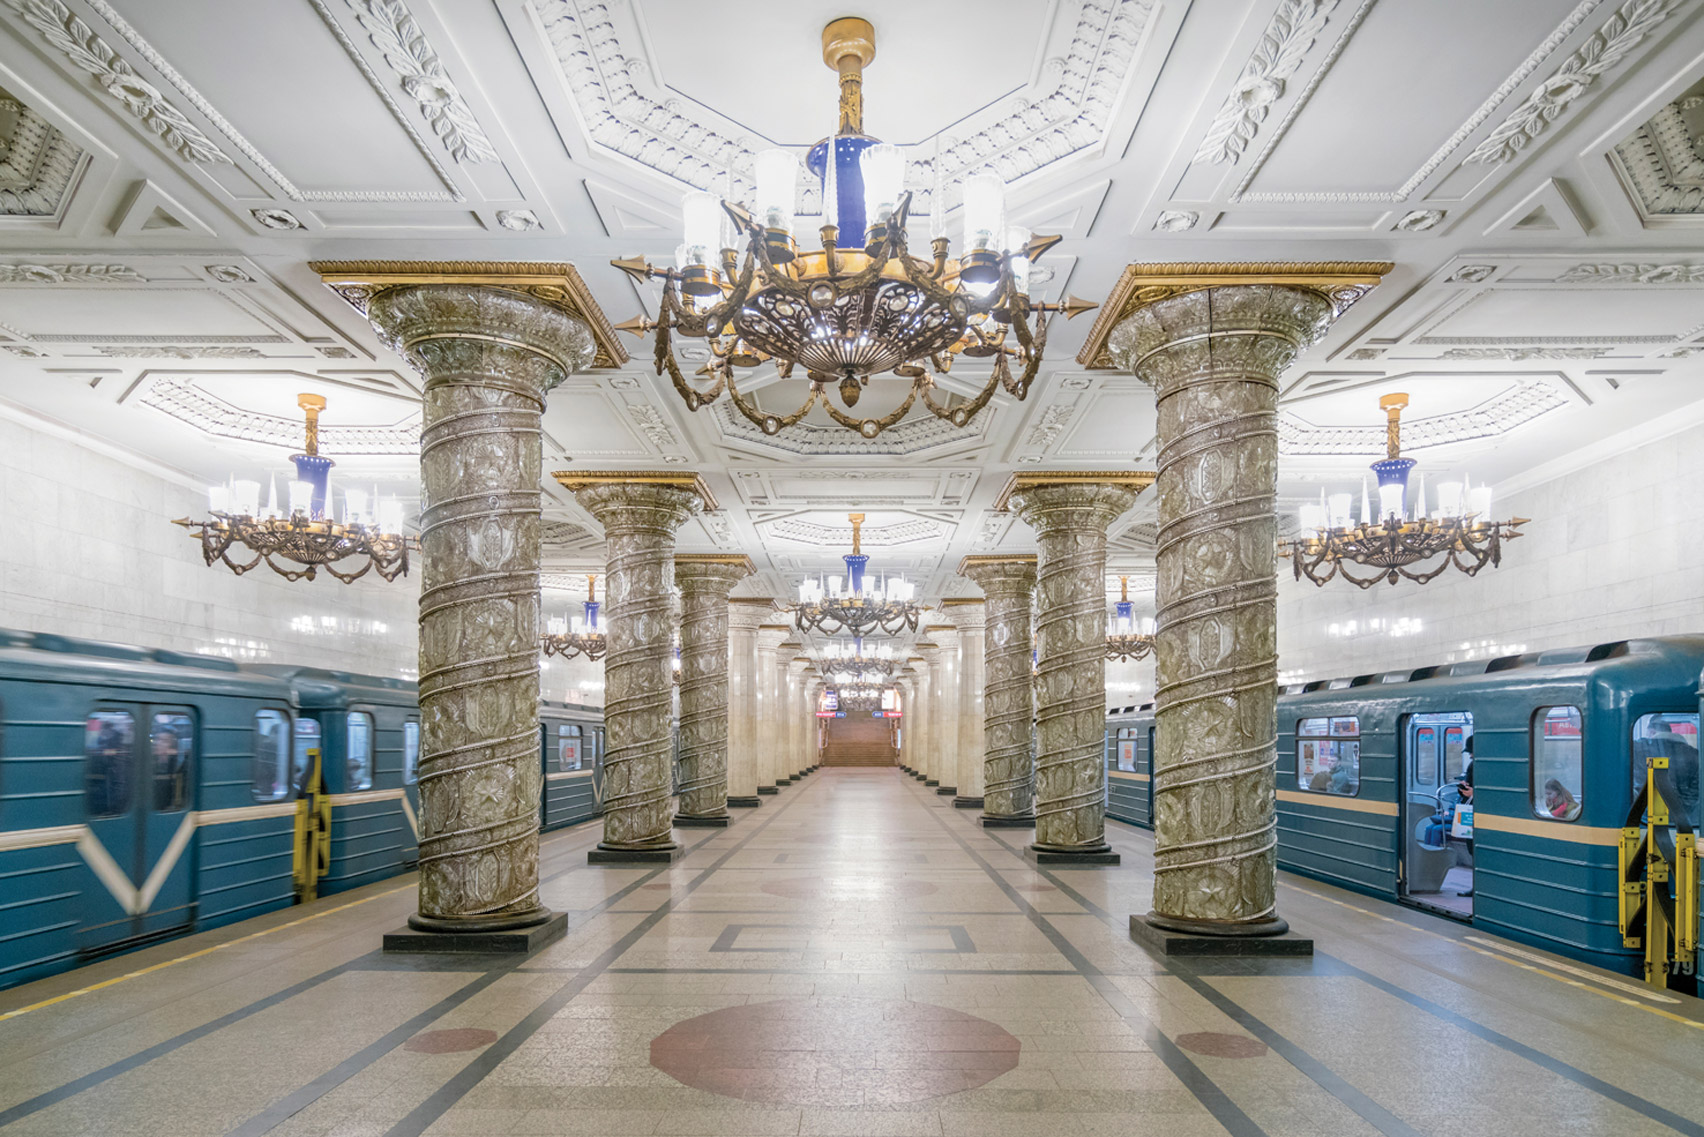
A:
[(553, 285), (770, 637), (710, 572), (1000, 576), (1081, 499), (682, 481), (747, 613), (968, 613), (1338, 284)]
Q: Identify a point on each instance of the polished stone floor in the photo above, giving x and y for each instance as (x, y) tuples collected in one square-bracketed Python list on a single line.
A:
[(855, 957)]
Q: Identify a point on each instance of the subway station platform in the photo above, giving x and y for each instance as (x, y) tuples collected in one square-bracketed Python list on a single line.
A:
[(856, 957)]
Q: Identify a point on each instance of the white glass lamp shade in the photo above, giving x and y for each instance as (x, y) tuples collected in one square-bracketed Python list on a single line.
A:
[(1338, 505), (1017, 241), (1312, 518), (245, 498), (1390, 502), (390, 516), (301, 497), (1147, 625), (1479, 502), (834, 587), (558, 626), (984, 212), (777, 187), (219, 499), (701, 226), (883, 167), (354, 507), (1449, 499)]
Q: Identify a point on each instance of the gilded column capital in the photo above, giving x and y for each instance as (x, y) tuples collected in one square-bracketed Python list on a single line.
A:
[(1333, 284), (711, 572), (373, 288)]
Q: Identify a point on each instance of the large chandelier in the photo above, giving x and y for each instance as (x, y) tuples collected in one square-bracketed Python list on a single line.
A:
[(854, 664), (862, 304), (583, 636), (307, 533), (864, 698), (1128, 639), (832, 605), (1395, 540)]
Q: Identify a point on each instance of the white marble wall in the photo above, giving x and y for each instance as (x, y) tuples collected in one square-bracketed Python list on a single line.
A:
[(88, 550), (1612, 552)]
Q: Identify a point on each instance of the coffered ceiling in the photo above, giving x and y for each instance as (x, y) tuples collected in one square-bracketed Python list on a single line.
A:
[(1534, 169)]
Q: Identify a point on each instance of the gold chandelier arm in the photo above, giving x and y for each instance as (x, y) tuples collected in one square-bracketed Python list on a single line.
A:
[(870, 427), (771, 424), (959, 415)]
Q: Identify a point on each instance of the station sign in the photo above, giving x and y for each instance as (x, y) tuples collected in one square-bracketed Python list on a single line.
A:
[(831, 714)]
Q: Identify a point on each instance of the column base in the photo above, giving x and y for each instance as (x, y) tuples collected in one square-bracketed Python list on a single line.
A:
[(947, 791), (931, 781), (1064, 858), (437, 938), (784, 781), (965, 801), (713, 821), (744, 802), (1019, 822), (1169, 937), (659, 856), (768, 790)]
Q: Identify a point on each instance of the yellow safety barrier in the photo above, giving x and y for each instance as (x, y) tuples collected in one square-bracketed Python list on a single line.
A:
[(1659, 881), (311, 859)]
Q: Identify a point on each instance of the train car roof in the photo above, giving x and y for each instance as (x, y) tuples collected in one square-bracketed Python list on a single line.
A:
[(1685, 651), (553, 707), (49, 656), (319, 688)]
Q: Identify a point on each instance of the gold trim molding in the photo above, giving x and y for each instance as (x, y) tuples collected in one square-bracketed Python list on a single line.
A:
[(996, 559), (964, 601), (1137, 480), (1341, 283), (764, 600), (556, 283), (572, 480)]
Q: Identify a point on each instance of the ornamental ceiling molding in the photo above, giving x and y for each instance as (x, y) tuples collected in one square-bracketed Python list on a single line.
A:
[(1339, 283), (88, 52), (1504, 412), (190, 404), (1287, 39), (1071, 111), (38, 274), (808, 439), (1661, 165), (391, 27), (38, 166), (1528, 67), (1633, 273), (840, 536)]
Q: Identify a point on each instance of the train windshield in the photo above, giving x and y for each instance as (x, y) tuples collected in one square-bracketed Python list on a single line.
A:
[(1675, 737)]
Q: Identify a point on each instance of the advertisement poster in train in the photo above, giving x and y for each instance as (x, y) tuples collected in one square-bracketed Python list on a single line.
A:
[(1127, 754)]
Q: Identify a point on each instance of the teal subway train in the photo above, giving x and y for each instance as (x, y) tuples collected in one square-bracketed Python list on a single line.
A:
[(1552, 746), (147, 794)]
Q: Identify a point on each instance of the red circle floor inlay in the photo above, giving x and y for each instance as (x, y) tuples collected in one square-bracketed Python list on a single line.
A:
[(1214, 1044), (835, 1051), (847, 888), (450, 1041)]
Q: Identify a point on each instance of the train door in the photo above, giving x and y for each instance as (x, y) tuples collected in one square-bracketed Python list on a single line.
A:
[(1436, 848), (138, 786), (1151, 821)]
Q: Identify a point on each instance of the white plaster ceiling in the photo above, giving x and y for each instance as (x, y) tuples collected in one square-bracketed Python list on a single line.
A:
[(1532, 168)]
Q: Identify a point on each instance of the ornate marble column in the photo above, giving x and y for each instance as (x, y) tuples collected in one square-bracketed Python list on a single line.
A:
[(944, 691), (930, 668), (639, 513), (1008, 584), (489, 345), (1069, 513), (704, 581), (770, 707), (744, 720), (969, 616), (1213, 344), (908, 718), (812, 694)]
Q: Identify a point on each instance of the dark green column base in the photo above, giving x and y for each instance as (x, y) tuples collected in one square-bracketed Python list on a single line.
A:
[(509, 941)]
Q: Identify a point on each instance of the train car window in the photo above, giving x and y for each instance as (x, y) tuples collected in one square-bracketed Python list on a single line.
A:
[(568, 755), (171, 749), (1436, 743), (1558, 766), (410, 752), (1675, 737), (307, 738), (1127, 749), (358, 758), (270, 777), (1328, 756), (1426, 746), (109, 766)]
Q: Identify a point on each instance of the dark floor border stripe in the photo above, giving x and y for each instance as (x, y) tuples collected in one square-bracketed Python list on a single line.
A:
[(160, 1049), (1225, 1111), (427, 1113), (971, 972), (1555, 1065)]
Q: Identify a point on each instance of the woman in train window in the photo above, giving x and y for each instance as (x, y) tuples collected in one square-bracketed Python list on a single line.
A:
[(1558, 802)]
